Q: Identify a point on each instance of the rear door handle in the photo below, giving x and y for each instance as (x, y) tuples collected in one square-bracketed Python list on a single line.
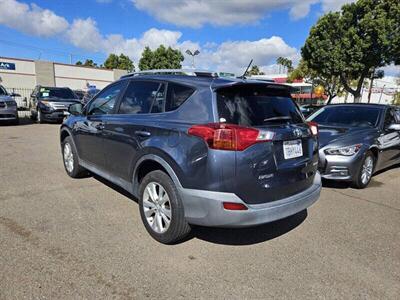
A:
[(142, 133)]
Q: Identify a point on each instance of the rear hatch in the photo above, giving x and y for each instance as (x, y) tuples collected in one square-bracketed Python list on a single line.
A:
[(282, 166)]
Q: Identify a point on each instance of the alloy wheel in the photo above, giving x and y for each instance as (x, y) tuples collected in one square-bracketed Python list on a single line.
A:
[(68, 158), (367, 168), (157, 207)]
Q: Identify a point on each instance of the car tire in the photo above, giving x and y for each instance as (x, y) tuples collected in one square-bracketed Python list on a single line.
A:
[(365, 172), (165, 206), (39, 117), (70, 159), (16, 121)]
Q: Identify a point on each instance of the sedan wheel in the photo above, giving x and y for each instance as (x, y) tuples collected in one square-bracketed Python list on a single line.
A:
[(68, 158), (367, 169), (365, 172), (157, 207)]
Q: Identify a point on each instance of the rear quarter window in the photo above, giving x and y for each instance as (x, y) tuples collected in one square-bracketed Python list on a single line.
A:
[(177, 94)]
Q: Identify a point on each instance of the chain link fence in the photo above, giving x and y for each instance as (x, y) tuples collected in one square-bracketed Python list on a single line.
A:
[(23, 100)]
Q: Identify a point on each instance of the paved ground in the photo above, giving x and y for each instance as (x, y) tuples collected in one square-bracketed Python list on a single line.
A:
[(69, 239)]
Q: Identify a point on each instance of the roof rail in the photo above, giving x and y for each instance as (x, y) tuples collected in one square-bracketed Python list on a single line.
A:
[(185, 72)]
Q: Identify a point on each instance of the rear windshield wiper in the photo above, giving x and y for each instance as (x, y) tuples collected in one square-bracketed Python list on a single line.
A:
[(277, 118)]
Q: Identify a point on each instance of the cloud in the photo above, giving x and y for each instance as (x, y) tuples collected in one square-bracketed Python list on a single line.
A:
[(31, 19), (196, 13), (234, 56), (334, 5), (231, 56)]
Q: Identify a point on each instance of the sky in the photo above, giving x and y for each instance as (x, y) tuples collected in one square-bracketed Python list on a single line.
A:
[(228, 33)]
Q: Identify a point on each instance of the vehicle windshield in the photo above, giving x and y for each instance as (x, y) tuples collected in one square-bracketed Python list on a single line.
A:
[(3, 91), (60, 93), (347, 116), (257, 105)]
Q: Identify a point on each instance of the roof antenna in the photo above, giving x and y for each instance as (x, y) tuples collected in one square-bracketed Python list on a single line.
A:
[(248, 67)]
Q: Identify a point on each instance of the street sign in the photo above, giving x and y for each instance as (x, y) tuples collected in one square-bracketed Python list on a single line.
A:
[(7, 65)]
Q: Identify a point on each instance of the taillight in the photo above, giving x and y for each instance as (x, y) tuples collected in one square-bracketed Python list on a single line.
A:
[(234, 206), (313, 128), (224, 136)]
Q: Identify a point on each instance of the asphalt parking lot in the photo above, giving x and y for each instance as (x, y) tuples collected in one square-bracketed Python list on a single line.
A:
[(69, 239)]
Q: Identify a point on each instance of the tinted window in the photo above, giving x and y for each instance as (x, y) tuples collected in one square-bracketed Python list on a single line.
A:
[(347, 115), (142, 97), (397, 115), (105, 101), (3, 92), (256, 106), (177, 94), (389, 118), (48, 92)]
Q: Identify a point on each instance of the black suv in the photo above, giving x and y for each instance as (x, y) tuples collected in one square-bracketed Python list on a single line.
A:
[(197, 149), (50, 104)]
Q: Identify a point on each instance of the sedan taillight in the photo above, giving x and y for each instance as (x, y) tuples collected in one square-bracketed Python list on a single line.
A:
[(224, 136)]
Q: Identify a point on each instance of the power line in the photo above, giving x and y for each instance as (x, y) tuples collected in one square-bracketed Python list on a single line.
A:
[(65, 54)]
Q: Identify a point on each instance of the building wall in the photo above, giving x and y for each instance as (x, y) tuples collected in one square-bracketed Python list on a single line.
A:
[(29, 73), (24, 75)]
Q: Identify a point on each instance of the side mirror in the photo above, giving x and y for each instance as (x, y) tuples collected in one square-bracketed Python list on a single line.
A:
[(15, 95), (394, 126), (75, 109)]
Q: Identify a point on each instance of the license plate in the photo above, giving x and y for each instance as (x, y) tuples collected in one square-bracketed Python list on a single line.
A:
[(292, 149)]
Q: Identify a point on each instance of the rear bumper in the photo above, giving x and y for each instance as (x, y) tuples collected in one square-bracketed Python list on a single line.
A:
[(206, 207)]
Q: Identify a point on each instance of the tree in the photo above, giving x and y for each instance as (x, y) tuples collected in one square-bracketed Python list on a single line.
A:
[(90, 63), (161, 58), (78, 63), (122, 62), (255, 70), (352, 43), (285, 62), (125, 63), (331, 84)]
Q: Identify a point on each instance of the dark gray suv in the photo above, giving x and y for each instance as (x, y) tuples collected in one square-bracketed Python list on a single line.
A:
[(197, 149)]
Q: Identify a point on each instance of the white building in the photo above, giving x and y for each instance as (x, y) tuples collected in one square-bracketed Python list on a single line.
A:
[(26, 74)]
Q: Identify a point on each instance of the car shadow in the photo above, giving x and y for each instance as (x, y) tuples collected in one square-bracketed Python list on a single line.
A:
[(230, 236), (248, 235), (22, 122), (114, 187)]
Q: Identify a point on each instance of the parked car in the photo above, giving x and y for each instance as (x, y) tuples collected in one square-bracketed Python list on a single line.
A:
[(8, 106), (309, 109), (89, 94), (50, 104), (357, 140), (79, 94), (197, 150)]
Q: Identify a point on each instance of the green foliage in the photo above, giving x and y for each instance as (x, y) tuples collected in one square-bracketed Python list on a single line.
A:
[(161, 58), (255, 70), (285, 62), (122, 62), (331, 84), (352, 43), (396, 99), (87, 63)]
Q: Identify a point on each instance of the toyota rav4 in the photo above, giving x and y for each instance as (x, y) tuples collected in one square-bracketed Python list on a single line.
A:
[(196, 149)]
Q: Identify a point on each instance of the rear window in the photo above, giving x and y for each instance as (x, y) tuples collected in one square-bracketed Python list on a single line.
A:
[(256, 106)]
